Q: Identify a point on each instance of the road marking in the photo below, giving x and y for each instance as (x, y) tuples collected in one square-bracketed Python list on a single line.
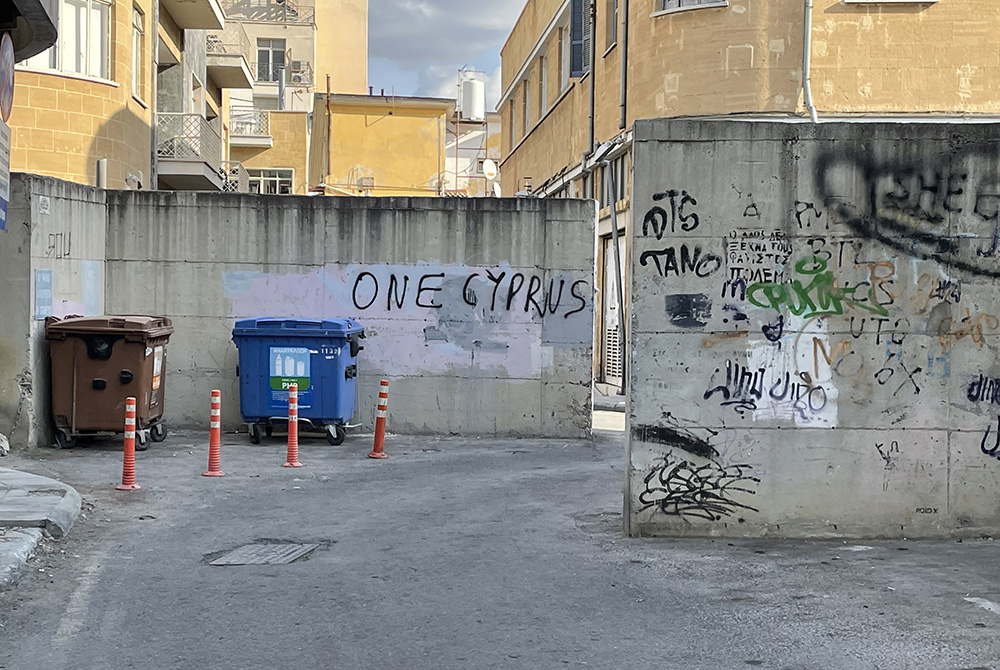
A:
[(987, 605), (76, 608)]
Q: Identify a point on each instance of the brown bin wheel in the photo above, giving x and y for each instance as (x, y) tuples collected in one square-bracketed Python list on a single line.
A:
[(158, 432), (64, 441), (141, 441)]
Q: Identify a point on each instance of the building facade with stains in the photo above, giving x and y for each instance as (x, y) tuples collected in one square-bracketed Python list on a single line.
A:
[(577, 74)]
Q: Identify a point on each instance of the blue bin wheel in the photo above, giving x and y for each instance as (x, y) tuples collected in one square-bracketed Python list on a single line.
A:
[(269, 430), (255, 433), (336, 436)]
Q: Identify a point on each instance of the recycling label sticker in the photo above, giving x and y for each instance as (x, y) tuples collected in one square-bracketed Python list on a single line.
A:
[(289, 365)]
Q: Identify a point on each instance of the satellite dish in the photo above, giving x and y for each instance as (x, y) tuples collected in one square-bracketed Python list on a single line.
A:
[(496, 190), (489, 169)]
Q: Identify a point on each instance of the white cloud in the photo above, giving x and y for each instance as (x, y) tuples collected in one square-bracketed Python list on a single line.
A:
[(437, 38)]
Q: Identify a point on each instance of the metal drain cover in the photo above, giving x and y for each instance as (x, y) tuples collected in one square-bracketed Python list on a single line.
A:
[(264, 554)]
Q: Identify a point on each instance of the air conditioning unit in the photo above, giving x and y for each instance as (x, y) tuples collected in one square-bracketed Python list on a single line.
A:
[(299, 66), (365, 183), (300, 78)]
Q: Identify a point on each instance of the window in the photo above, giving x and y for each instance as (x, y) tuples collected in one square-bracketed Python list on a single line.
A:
[(265, 103), (479, 165), (543, 83), (526, 106), (612, 27), (270, 59), (271, 182), (138, 49), (665, 5), (84, 38), (581, 34)]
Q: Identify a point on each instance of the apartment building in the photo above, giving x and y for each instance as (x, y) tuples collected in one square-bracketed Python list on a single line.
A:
[(576, 74), (270, 125), (128, 96)]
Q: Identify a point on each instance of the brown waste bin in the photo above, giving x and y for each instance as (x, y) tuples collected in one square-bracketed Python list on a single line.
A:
[(98, 362)]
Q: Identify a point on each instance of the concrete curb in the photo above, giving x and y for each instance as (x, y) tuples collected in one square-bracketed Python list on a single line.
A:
[(17, 545), (32, 501)]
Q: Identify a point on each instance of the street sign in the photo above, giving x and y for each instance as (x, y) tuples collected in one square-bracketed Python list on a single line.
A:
[(6, 76)]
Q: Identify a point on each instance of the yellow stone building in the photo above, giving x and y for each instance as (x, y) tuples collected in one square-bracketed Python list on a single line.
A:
[(114, 99), (576, 74)]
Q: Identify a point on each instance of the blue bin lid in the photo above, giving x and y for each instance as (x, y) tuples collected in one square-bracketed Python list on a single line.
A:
[(264, 326)]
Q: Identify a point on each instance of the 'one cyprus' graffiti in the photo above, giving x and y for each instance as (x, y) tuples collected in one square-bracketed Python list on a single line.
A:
[(680, 488)]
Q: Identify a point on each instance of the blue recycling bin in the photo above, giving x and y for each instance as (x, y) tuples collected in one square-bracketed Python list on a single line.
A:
[(321, 356)]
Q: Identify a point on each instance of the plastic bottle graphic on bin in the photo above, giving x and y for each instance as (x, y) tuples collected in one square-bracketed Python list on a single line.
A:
[(321, 356)]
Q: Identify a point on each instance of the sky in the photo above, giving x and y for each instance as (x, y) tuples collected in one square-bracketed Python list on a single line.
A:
[(418, 46)]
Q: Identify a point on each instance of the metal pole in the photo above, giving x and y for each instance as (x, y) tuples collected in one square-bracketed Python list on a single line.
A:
[(618, 273)]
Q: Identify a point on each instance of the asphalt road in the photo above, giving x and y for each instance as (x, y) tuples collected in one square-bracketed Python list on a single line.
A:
[(460, 554)]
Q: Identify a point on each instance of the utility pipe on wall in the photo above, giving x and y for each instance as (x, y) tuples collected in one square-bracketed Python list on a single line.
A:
[(593, 58), (806, 57), (622, 115)]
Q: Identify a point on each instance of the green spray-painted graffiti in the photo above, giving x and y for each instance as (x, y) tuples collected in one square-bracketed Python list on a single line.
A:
[(815, 294)]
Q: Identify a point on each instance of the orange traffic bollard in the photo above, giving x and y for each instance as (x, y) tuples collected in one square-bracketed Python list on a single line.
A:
[(215, 438), (383, 405), (292, 460), (128, 462)]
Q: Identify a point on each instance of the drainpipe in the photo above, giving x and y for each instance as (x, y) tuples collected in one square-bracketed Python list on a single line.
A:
[(806, 54), (153, 93), (593, 58), (624, 57)]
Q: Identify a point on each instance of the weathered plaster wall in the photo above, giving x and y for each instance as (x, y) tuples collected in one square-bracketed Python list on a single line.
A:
[(15, 276), (815, 329), (52, 257), (480, 312)]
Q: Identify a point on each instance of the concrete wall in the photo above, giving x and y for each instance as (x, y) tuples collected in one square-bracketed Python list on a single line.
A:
[(480, 312), (15, 273), (814, 330), (53, 264)]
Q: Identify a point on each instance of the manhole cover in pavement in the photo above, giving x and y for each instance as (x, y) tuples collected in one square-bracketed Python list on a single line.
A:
[(264, 554)]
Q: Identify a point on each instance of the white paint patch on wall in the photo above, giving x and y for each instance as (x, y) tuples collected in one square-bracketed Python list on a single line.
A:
[(791, 389)]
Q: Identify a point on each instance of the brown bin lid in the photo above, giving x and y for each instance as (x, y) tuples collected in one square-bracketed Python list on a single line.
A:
[(127, 324)]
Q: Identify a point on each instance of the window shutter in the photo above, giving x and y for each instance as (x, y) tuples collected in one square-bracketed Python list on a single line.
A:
[(588, 35), (577, 28)]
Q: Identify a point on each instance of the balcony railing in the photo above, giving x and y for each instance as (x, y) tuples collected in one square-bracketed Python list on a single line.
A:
[(294, 73), (235, 178), (232, 39), (188, 137), (249, 121), (273, 11)]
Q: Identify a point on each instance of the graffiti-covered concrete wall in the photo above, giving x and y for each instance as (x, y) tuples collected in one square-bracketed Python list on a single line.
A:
[(479, 311), (816, 329)]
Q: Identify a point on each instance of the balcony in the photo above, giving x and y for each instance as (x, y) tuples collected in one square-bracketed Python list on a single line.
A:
[(296, 73), (189, 153), (196, 14), (228, 56), (250, 127), (235, 178), (271, 11)]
